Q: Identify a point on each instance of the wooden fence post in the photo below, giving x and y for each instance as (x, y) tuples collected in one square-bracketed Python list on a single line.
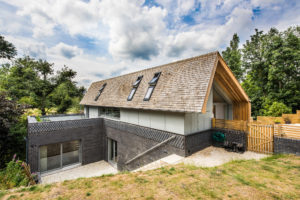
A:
[(214, 122)]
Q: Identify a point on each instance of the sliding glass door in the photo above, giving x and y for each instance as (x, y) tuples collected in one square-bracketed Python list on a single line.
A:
[(56, 156)]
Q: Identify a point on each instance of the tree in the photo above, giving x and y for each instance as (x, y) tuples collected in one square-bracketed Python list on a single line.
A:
[(32, 82), (66, 92), (45, 87), (232, 56), (10, 143), (276, 109), (272, 63), (7, 49)]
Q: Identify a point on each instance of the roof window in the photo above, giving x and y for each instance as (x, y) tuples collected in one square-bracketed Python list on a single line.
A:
[(134, 88), (100, 92), (152, 85)]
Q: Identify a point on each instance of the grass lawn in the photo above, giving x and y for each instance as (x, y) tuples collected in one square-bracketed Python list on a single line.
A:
[(275, 177)]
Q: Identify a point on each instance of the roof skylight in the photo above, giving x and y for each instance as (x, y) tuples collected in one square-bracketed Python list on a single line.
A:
[(100, 91), (134, 88), (152, 85)]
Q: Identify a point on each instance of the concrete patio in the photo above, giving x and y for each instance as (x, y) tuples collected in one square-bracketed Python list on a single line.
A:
[(89, 170)]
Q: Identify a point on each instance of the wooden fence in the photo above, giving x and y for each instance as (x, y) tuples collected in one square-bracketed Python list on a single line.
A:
[(288, 130), (285, 118), (230, 124), (261, 138)]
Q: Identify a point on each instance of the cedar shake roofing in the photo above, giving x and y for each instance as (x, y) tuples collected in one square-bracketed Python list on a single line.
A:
[(182, 87)]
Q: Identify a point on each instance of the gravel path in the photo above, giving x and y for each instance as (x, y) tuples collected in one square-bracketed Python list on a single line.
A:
[(213, 156), (89, 170), (208, 157)]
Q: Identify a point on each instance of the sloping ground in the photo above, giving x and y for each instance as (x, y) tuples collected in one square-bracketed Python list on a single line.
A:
[(275, 177), (208, 157)]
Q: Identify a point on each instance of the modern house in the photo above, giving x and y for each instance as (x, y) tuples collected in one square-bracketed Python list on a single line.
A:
[(134, 119)]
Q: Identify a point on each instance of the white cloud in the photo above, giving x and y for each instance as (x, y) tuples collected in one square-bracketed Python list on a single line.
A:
[(67, 51), (75, 17), (135, 32), (135, 36)]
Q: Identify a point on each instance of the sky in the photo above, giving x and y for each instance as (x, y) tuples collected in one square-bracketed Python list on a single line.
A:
[(105, 38)]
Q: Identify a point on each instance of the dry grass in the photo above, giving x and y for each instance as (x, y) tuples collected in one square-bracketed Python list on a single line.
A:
[(275, 177)]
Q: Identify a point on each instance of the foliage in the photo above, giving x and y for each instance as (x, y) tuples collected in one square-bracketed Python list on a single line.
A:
[(276, 109), (7, 49), (232, 55), (12, 130), (32, 82), (271, 64), (13, 175)]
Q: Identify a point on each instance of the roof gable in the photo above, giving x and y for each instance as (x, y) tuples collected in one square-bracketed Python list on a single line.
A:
[(182, 87)]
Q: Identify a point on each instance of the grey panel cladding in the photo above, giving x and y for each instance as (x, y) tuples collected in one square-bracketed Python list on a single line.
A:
[(89, 131), (286, 145), (149, 133)]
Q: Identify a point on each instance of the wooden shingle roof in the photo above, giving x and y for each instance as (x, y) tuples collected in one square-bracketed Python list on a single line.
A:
[(182, 87)]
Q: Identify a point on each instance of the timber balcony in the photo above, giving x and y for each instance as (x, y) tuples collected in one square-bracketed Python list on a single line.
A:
[(239, 125)]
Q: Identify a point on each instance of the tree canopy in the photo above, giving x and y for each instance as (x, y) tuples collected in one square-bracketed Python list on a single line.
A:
[(7, 49), (270, 62), (232, 55)]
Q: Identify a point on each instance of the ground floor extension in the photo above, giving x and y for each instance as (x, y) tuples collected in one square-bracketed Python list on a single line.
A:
[(59, 145)]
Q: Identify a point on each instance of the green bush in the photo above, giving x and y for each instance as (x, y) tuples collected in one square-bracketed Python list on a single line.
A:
[(275, 109), (13, 175)]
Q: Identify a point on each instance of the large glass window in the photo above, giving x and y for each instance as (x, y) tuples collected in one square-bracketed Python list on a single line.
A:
[(50, 157), (70, 153), (109, 112), (56, 156)]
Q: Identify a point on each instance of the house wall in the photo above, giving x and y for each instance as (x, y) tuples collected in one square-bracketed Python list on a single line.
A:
[(167, 121), (90, 132), (196, 122), (93, 112), (133, 140)]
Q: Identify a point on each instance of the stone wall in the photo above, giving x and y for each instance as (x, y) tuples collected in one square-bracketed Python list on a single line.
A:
[(286, 145), (88, 131)]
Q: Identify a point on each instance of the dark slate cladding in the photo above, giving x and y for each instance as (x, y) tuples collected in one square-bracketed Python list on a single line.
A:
[(286, 145), (233, 136), (134, 140), (59, 125), (197, 141), (88, 131), (149, 133)]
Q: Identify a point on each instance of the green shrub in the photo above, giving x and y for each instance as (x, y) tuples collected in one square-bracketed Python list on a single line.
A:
[(13, 175)]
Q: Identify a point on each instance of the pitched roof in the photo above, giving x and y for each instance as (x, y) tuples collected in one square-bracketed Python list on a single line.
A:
[(182, 87)]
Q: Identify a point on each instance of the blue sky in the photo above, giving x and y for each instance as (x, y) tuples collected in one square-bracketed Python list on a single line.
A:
[(101, 39)]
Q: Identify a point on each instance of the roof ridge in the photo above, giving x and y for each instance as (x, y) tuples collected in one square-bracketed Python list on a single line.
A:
[(163, 65)]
